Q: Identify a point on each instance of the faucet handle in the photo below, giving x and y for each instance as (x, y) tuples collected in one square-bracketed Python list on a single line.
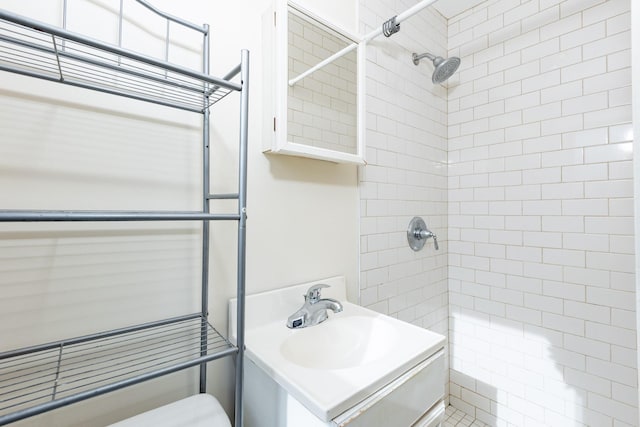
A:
[(426, 233), (313, 293)]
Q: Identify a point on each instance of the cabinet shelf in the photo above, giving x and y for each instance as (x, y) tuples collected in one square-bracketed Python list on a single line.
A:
[(37, 49), (37, 379)]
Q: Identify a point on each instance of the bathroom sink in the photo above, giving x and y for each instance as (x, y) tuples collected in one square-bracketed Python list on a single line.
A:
[(332, 366), (344, 342)]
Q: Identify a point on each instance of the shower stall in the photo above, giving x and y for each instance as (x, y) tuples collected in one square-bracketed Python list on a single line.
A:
[(521, 163)]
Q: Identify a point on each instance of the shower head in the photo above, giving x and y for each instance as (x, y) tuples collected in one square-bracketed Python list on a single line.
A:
[(444, 68)]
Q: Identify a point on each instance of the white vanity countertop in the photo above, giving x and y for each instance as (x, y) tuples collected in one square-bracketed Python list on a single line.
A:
[(334, 365)]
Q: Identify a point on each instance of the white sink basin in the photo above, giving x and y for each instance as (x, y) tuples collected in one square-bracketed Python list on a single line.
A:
[(344, 342), (332, 366)]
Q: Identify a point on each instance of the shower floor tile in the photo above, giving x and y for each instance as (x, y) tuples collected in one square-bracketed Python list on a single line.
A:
[(456, 418)]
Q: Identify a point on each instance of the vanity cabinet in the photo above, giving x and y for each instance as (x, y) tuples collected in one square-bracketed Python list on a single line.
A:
[(415, 399)]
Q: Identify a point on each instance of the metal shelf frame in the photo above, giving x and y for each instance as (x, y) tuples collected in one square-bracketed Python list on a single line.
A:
[(49, 376), (37, 49), (44, 377)]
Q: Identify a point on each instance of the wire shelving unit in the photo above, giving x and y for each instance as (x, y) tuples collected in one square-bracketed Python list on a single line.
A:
[(44, 377)]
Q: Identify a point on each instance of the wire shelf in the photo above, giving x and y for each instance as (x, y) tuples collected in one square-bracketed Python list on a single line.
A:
[(40, 50), (35, 380)]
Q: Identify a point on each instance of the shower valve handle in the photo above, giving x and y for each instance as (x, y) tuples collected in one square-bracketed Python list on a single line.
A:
[(418, 233), (425, 234)]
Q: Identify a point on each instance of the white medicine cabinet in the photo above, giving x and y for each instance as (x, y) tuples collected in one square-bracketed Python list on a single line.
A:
[(320, 115)]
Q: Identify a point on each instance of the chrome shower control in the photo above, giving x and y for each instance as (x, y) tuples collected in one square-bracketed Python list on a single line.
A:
[(418, 233)]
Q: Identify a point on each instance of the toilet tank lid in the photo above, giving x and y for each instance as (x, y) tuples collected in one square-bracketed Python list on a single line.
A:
[(200, 410)]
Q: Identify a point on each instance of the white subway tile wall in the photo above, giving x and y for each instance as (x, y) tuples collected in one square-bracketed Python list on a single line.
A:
[(540, 219), (406, 171)]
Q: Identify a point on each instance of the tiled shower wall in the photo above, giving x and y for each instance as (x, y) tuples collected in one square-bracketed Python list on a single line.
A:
[(405, 175), (542, 322)]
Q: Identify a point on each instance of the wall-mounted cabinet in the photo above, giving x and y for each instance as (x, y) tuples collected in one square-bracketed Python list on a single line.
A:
[(321, 115)]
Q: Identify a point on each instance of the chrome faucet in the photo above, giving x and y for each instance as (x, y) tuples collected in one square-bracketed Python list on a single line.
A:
[(314, 310)]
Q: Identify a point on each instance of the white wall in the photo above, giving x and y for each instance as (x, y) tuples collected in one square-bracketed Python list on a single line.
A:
[(635, 36), (302, 214), (541, 249)]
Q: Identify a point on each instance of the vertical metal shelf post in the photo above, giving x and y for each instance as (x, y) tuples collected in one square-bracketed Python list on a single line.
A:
[(242, 234), (205, 208)]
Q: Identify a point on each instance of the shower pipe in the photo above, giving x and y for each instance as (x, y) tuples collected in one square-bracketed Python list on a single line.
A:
[(372, 35)]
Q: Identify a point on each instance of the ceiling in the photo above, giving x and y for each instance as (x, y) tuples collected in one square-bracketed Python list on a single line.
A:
[(450, 8)]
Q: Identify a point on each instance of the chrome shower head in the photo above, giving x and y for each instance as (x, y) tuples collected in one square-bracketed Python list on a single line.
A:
[(444, 68)]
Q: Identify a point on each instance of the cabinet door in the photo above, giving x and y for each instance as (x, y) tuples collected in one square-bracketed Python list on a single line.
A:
[(404, 402), (321, 115), (433, 417)]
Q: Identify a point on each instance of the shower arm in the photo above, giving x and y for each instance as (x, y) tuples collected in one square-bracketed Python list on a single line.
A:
[(417, 58), (370, 36)]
